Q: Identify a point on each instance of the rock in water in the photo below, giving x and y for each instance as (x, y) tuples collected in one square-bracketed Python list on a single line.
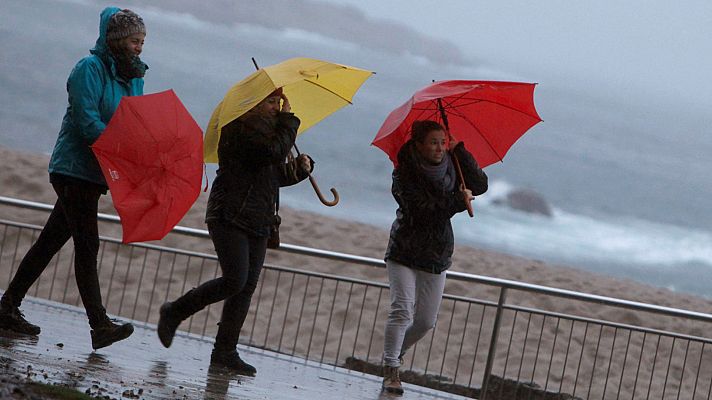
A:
[(526, 200)]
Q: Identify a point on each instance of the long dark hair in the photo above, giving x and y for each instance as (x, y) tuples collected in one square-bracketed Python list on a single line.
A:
[(420, 129)]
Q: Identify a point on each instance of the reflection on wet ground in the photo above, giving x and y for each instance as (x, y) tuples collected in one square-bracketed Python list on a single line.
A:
[(140, 368)]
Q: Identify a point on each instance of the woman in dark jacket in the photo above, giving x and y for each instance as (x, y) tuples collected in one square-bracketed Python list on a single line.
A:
[(429, 193), (241, 210)]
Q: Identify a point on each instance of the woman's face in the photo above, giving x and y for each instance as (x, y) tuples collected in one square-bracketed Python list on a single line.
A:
[(269, 106), (132, 45), (433, 147)]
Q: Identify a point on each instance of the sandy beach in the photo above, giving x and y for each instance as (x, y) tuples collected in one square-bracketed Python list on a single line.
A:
[(25, 177)]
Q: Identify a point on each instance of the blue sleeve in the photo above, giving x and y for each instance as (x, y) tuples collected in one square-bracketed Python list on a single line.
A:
[(137, 87), (85, 87)]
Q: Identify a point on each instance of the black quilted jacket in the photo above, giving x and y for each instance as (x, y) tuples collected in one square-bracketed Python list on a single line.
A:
[(421, 236), (252, 153)]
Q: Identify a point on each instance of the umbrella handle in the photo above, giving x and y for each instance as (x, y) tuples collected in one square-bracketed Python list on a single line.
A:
[(316, 187), (470, 212), (462, 184), (469, 204), (323, 200)]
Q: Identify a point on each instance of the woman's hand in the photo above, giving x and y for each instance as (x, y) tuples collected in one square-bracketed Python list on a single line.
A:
[(467, 194), (286, 107), (453, 143), (305, 163)]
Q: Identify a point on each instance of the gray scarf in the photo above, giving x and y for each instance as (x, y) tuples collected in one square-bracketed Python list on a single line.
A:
[(443, 173)]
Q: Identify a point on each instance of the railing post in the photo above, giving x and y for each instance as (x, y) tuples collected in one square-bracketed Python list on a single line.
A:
[(493, 342)]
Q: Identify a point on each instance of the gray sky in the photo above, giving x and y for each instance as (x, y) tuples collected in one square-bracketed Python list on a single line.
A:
[(654, 48)]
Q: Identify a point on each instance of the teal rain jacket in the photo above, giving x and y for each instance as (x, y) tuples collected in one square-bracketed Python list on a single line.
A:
[(94, 89)]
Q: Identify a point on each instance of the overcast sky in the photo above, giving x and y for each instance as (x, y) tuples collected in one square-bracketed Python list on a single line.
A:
[(654, 47)]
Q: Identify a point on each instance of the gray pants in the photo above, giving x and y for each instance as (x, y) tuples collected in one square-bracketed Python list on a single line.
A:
[(415, 301)]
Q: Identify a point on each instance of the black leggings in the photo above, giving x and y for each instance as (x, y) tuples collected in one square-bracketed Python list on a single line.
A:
[(75, 216), (241, 257)]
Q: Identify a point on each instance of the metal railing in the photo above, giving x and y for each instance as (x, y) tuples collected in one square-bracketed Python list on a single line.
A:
[(490, 348)]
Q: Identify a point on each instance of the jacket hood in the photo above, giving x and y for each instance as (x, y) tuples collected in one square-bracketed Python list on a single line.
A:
[(101, 48)]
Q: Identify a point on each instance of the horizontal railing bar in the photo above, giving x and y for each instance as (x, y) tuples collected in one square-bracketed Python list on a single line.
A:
[(469, 300), (331, 255), (606, 323), (326, 276), (461, 276), (33, 205), (19, 224), (202, 233), (593, 298), (118, 241)]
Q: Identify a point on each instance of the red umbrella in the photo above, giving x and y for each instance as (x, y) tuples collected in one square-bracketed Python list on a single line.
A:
[(487, 116), (151, 154)]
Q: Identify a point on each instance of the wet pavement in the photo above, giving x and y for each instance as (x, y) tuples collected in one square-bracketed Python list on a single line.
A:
[(140, 368)]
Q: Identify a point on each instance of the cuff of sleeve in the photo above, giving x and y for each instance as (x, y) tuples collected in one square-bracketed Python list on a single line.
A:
[(289, 119), (312, 162), (461, 205)]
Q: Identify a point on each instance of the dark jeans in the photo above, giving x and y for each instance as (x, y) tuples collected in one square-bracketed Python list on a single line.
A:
[(241, 257), (75, 216)]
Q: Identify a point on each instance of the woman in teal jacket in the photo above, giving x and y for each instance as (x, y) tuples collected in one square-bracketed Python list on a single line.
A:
[(95, 86)]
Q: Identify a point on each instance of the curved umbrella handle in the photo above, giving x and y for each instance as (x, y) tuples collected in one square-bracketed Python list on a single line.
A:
[(317, 190), (323, 200)]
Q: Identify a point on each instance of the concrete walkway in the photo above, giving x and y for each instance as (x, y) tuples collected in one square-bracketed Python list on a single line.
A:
[(141, 368)]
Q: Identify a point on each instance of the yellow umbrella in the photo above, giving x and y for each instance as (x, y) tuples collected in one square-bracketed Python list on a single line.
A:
[(315, 90)]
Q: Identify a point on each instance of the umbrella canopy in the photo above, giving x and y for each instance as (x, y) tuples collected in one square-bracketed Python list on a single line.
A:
[(487, 116), (151, 157), (315, 90)]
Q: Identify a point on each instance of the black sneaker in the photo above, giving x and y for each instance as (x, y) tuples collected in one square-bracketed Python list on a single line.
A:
[(12, 319), (231, 360), (167, 325), (109, 333)]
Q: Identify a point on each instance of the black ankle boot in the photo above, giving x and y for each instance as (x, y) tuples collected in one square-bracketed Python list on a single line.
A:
[(167, 324), (232, 361), (12, 319), (107, 333)]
